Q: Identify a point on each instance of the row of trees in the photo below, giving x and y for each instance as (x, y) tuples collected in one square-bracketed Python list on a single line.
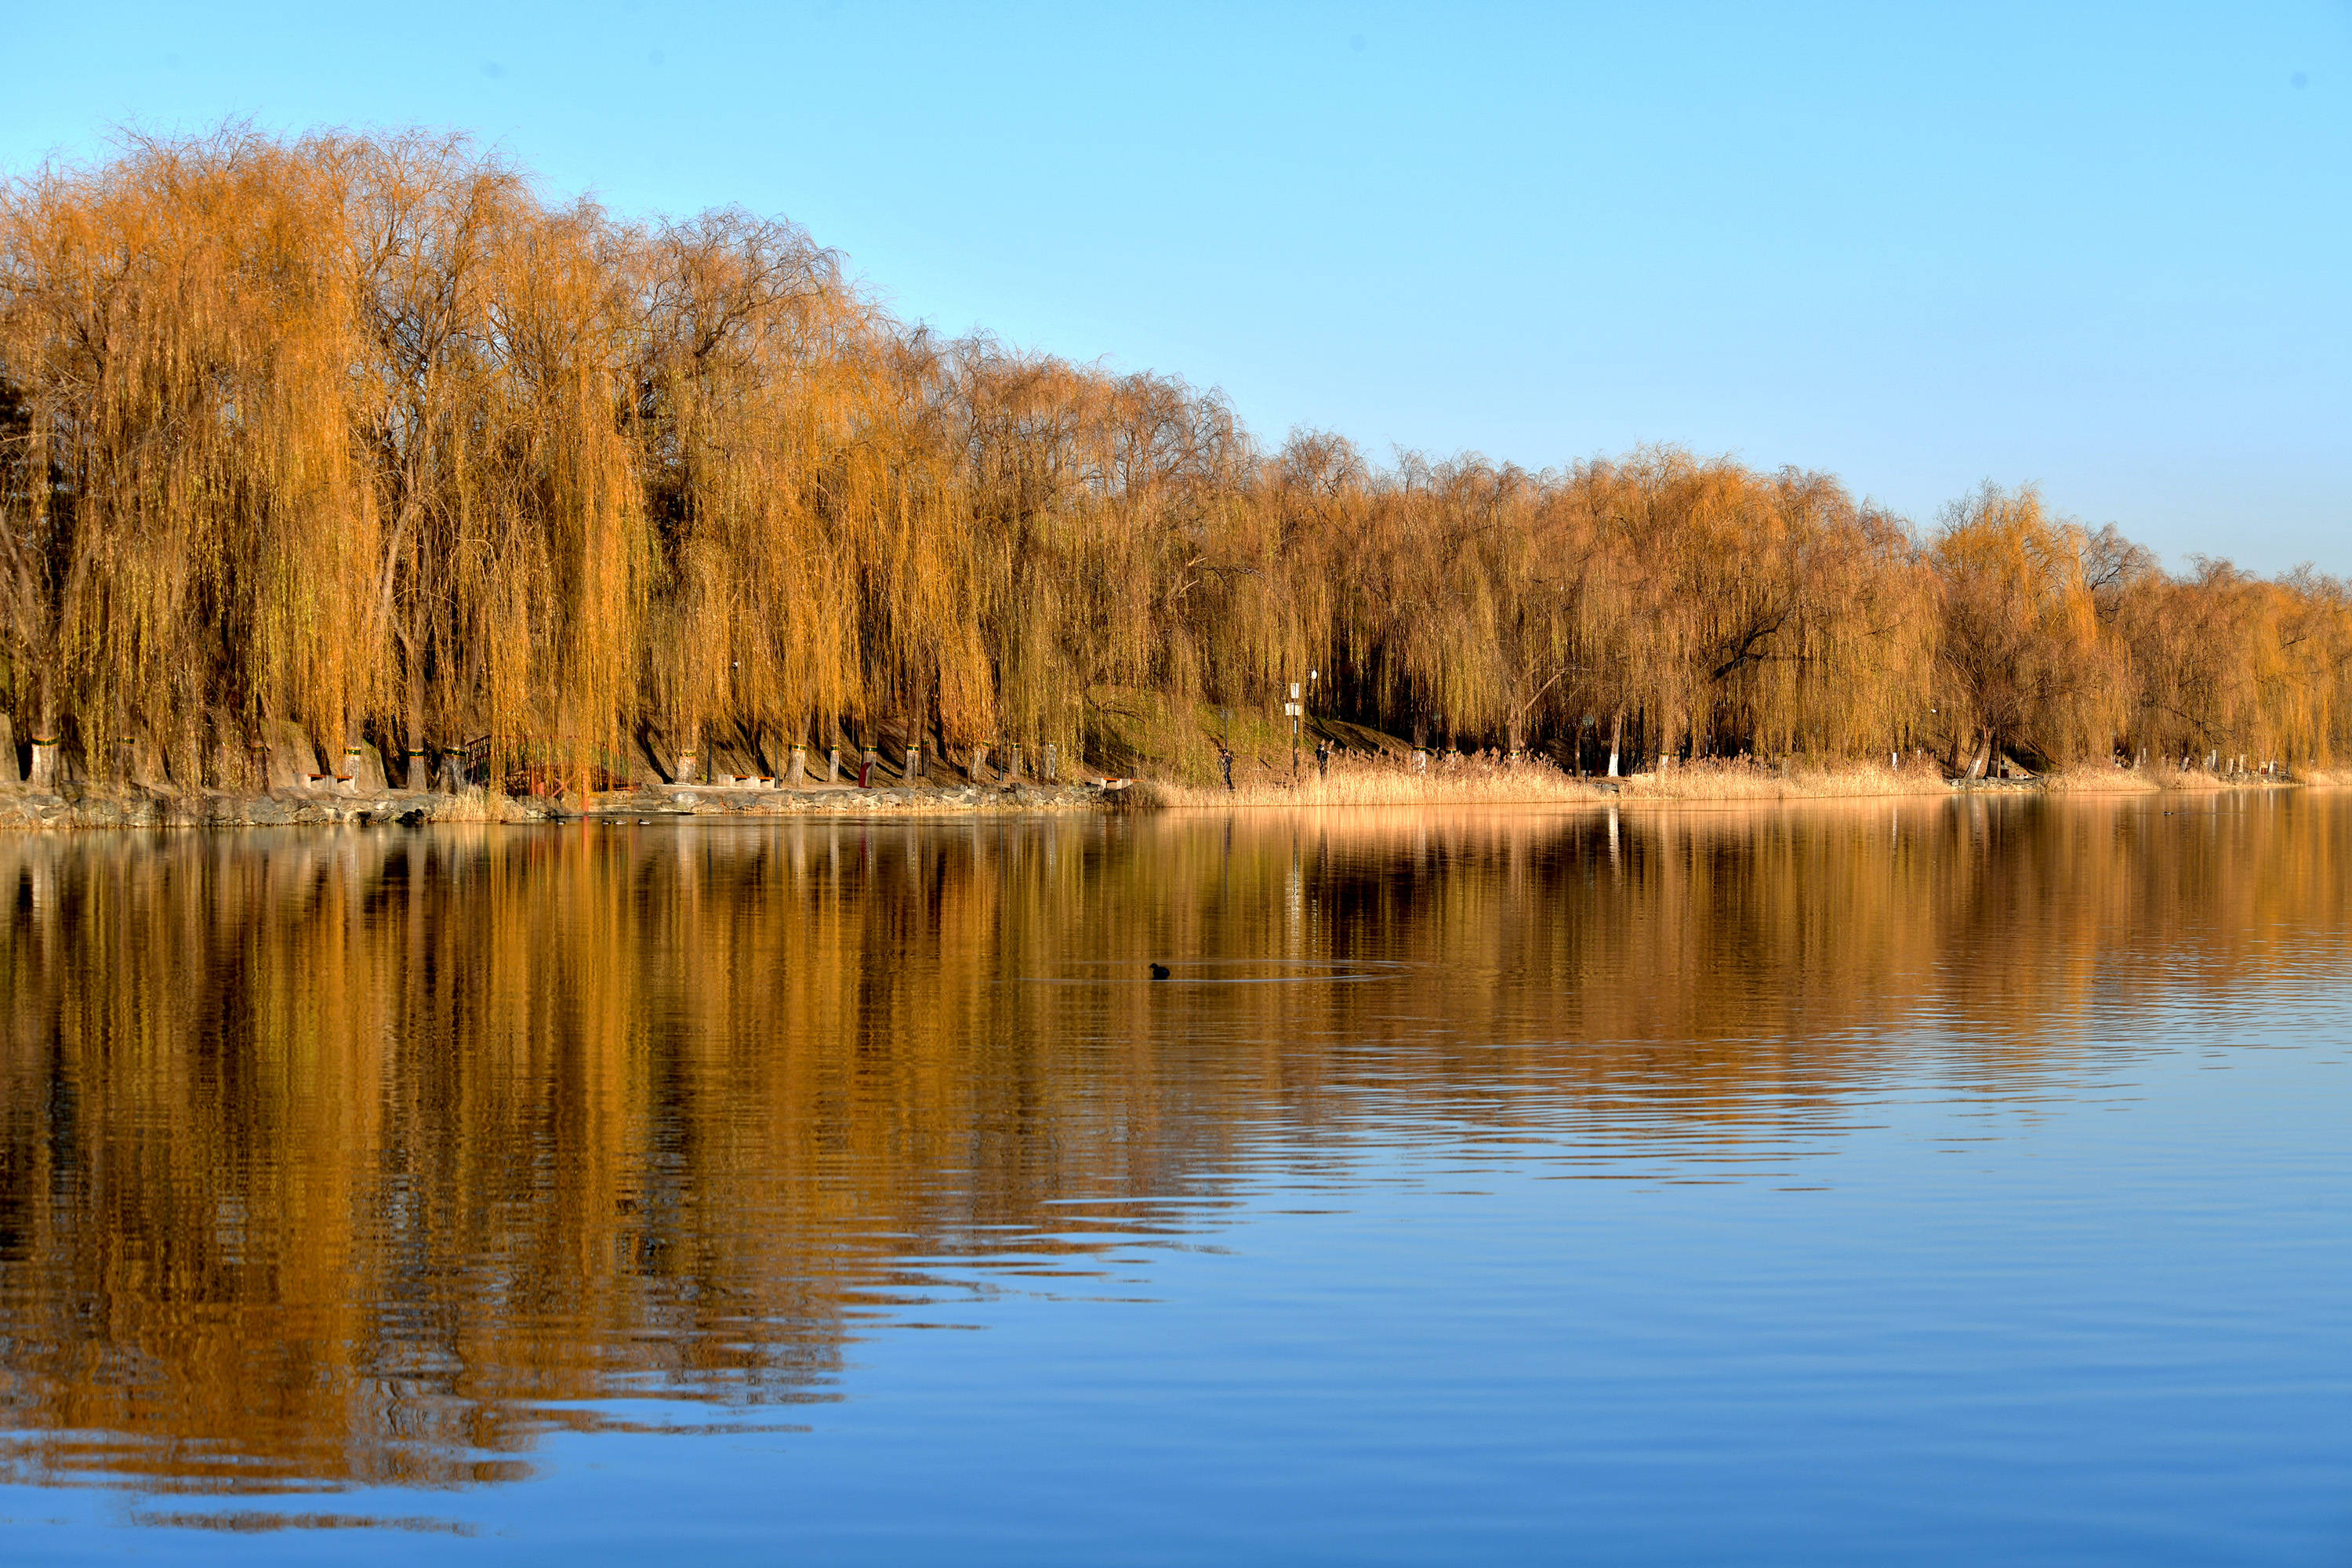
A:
[(364, 435)]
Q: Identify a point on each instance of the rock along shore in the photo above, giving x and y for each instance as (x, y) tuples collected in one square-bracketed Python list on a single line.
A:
[(93, 805)]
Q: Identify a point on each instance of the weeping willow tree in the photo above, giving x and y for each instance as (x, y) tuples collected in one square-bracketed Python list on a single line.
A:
[(430, 227), (742, 408), (2227, 663), (2022, 661), (364, 437), (190, 527)]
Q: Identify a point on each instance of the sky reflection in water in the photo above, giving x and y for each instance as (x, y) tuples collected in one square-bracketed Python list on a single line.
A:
[(1944, 1180)]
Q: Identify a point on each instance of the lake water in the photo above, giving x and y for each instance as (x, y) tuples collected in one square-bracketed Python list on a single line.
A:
[(1952, 1180)]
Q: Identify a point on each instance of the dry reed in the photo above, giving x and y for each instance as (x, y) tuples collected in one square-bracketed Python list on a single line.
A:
[(2106, 780), (1379, 786), (1745, 779)]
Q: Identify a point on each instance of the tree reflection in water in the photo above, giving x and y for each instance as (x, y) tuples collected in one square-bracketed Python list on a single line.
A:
[(365, 1158)]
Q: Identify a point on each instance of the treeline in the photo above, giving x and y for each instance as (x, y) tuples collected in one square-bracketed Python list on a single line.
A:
[(364, 435)]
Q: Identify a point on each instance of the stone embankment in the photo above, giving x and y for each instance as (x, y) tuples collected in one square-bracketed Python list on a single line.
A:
[(79, 806)]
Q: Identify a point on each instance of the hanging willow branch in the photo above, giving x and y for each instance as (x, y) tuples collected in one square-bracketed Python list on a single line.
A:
[(363, 436)]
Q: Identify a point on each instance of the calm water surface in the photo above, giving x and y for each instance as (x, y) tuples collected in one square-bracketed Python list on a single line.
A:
[(1939, 1180)]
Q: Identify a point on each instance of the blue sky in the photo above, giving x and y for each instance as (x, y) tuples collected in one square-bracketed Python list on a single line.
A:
[(2102, 248)]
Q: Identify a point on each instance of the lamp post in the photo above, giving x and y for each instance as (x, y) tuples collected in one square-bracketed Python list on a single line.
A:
[(1294, 710), (1322, 758), (1290, 710)]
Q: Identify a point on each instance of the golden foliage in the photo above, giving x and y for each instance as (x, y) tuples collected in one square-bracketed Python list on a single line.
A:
[(364, 435)]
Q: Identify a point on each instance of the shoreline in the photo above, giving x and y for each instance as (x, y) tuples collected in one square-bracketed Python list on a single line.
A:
[(1688, 785), (88, 806), (79, 806)]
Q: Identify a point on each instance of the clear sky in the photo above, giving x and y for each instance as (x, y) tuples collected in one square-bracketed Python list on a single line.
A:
[(2102, 248)]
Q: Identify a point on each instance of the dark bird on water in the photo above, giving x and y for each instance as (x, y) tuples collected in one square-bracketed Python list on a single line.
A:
[(1159, 972)]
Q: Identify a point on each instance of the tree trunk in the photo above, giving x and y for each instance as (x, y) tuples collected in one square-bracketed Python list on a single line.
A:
[(1983, 755), (1616, 738), (255, 757), (44, 773), (412, 720)]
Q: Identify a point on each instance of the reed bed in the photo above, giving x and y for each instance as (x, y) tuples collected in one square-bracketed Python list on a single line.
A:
[(2109, 781), (1477, 782), (1745, 779), (1360, 785), (1733, 779), (476, 804)]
